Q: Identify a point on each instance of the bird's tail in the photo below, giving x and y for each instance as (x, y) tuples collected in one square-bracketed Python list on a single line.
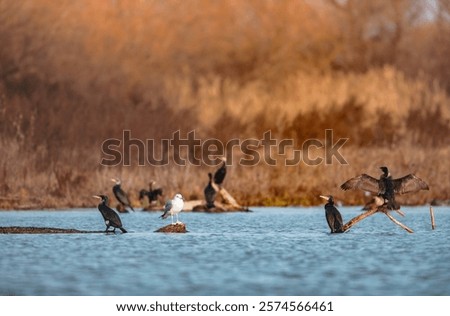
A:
[(393, 205), (131, 208), (123, 230)]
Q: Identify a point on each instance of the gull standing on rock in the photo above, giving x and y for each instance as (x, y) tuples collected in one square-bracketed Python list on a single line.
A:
[(173, 207)]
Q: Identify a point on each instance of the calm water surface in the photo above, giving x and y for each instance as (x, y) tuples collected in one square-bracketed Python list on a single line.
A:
[(271, 251)]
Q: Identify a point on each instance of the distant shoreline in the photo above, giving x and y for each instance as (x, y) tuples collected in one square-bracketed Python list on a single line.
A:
[(63, 208)]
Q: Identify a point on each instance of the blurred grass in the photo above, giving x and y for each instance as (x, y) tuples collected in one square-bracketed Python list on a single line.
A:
[(74, 73)]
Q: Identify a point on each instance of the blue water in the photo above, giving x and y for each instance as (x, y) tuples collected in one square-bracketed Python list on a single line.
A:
[(271, 251)]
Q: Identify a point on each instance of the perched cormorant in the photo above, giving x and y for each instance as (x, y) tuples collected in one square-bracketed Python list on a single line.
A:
[(152, 194), (220, 173), (386, 187), (334, 218), (210, 193), (173, 207), (110, 216), (120, 194)]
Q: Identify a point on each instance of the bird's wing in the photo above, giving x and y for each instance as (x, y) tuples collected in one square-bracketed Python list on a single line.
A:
[(110, 215), (409, 183), (122, 197), (339, 217), (115, 219), (154, 194), (363, 182), (220, 174), (143, 193), (167, 208), (210, 194)]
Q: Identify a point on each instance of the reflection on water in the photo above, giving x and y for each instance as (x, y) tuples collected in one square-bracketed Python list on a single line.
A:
[(272, 251)]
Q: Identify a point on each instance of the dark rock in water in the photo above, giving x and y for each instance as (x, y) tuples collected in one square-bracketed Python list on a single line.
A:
[(217, 209), (204, 208), (42, 230), (200, 208), (175, 228)]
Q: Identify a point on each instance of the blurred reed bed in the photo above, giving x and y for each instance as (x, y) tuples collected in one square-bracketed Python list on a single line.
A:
[(75, 73)]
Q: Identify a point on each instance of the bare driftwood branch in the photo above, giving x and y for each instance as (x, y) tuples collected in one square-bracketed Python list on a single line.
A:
[(228, 198), (358, 218), (381, 209), (433, 226), (409, 230)]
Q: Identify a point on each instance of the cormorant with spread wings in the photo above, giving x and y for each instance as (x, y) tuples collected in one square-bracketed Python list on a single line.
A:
[(386, 187)]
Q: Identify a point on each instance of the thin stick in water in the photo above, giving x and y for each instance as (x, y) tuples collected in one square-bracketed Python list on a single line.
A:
[(433, 226)]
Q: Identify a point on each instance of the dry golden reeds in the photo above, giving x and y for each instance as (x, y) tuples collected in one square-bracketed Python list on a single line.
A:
[(75, 73)]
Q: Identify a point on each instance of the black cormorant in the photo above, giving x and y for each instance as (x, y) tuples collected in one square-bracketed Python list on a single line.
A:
[(220, 174), (334, 218), (210, 193), (110, 216), (120, 194), (152, 194), (386, 187)]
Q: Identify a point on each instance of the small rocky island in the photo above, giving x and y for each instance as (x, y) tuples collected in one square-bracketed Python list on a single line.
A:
[(173, 228)]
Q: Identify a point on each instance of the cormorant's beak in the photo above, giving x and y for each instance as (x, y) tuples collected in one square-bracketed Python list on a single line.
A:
[(325, 197), (114, 180), (97, 197)]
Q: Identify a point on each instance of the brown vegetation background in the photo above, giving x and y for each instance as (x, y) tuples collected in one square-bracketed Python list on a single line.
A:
[(74, 73)]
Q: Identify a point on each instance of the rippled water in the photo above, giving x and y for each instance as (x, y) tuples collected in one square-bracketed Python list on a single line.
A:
[(271, 251)]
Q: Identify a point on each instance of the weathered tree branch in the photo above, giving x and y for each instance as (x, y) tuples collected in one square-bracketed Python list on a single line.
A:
[(358, 218), (228, 198), (409, 230), (381, 209)]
